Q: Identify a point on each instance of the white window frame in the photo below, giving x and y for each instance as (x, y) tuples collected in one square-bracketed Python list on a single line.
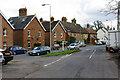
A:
[(4, 45), (29, 33), (61, 35), (72, 35), (4, 32), (55, 41), (39, 33), (29, 43), (75, 34), (55, 35)]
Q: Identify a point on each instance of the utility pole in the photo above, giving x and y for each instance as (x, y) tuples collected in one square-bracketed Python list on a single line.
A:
[(118, 16)]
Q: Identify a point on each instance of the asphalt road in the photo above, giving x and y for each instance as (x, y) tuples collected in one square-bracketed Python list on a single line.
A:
[(91, 62)]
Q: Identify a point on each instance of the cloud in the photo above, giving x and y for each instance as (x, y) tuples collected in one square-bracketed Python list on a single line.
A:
[(83, 10)]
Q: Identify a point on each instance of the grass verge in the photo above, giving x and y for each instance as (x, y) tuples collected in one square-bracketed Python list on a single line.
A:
[(60, 53)]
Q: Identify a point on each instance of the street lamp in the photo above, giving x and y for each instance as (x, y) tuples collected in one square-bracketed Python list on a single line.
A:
[(50, 23)]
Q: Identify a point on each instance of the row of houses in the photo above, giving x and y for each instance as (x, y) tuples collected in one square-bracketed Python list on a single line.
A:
[(26, 30)]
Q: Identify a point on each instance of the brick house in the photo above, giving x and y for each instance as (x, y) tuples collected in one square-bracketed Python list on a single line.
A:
[(92, 34), (6, 32), (28, 30), (73, 29), (58, 32)]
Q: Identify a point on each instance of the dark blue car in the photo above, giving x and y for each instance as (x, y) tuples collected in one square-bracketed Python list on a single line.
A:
[(17, 50)]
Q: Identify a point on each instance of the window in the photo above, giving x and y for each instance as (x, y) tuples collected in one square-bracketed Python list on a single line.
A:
[(40, 42), (61, 35), (54, 34), (55, 41), (4, 32), (75, 34), (4, 45), (72, 35), (85, 35), (69, 33), (29, 44), (29, 33), (39, 33)]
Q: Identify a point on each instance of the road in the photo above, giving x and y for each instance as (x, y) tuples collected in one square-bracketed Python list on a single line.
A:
[(92, 62)]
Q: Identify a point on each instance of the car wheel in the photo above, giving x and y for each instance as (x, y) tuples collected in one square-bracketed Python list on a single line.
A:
[(4, 62), (38, 54), (48, 52), (14, 53), (25, 52)]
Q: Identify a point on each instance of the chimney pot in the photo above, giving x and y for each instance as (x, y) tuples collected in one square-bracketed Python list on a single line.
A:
[(23, 12), (64, 19)]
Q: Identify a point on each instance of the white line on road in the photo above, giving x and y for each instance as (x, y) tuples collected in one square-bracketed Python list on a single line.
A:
[(92, 54), (57, 60)]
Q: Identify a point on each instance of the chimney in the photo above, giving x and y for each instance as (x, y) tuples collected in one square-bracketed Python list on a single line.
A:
[(23, 12), (113, 28), (74, 20), (88, 25), (64, 19), (52, 19), (41, 19), (108, 27)]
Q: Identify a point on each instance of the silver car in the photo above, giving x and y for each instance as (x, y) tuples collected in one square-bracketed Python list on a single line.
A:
[(73, 46)]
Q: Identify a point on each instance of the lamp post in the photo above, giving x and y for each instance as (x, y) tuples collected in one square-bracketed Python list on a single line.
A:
[(50, 24)]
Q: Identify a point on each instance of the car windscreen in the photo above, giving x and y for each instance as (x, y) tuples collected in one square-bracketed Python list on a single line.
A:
[(72, 44), (36, 48)]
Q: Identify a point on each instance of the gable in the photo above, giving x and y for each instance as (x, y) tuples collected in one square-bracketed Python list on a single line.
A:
[(60, 26), (4, 18)]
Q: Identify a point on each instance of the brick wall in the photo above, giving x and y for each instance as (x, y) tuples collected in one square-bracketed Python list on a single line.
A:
[(0, 32), (58, 31), (9, 37), (18, 37), (34, 28)]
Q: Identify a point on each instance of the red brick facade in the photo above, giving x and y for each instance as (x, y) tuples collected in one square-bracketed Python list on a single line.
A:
[(59, 31), (21, 36), (8, 39), (60, 34)]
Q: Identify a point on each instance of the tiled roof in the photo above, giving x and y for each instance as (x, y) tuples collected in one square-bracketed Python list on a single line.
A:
[(46, 25), (20, 22), (74, 28), (91, 31)]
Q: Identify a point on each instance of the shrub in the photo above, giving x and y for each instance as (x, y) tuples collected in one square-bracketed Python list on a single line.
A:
[(37, 44), (72, 39)]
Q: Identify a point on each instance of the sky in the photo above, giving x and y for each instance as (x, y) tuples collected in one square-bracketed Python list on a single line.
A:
[(84, 11)]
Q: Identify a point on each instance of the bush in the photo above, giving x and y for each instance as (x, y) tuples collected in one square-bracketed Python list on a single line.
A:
[(72, 39), (37, 44)]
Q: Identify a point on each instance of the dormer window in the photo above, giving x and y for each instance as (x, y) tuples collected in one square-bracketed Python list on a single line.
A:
[(4, 31)]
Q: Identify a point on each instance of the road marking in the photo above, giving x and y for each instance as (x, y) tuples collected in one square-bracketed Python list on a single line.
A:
[(92, 54), (57, 60)]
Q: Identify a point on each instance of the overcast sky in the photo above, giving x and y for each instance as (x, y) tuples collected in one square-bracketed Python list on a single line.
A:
[(85, 11)]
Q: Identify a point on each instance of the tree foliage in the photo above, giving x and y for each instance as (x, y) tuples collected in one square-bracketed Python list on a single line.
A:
[(72, 39)]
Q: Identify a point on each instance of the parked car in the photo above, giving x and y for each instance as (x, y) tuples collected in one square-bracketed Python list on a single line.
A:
[(1, 56), (6, 56), (55, 46), (39, 51), (98, 43), (73, 46), (16, 50), (81, 44)]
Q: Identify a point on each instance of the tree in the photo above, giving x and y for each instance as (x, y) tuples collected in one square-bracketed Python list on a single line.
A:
[(97, 25), (111, 7)]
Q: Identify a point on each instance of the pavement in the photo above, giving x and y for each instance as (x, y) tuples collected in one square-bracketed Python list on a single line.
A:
[(93, 62)]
